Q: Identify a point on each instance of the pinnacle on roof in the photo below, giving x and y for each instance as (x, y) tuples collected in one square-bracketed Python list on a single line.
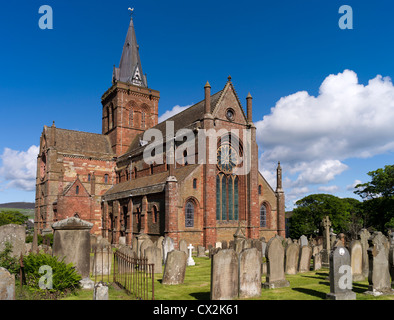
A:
[(130, 69)]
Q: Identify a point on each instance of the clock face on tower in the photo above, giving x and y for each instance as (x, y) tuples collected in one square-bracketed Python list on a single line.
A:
[(227, 158)]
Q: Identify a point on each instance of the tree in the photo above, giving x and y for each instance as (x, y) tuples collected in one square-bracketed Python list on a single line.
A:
[(311, 210), (12, 216), (378, 196)]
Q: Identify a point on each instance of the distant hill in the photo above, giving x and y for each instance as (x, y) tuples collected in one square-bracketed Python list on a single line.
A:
[(18, 205)]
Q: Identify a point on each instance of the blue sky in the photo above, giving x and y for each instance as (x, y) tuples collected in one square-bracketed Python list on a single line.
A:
[(323, 99)]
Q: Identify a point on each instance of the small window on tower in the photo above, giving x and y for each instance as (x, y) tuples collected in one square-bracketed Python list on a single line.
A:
[(77, 190), (106, 178), (89, 177), (194, 183)]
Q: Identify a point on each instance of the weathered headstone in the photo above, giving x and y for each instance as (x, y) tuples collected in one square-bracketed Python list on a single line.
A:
[(100, 291), (356, 255), (325, 253), (183, 245), (7, 285), (391, 257), (275, 264), (15, 235), (175, 267), (303, 241), (141, 238), (153, 254), (224, 275), (71, 240), (340, 275), (102, 261), (224, 244), (304, 264), (379, 274), (316, 257), (292, 256), (364, 237), (144, 245), (200, 252), (218, 245), (250, 273), (168, 246)]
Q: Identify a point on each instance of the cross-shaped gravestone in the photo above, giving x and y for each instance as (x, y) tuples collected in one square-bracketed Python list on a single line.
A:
[(326, 223), (190, 261)]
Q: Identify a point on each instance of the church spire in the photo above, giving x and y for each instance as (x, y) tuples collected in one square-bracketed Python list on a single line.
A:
[(130, 69)]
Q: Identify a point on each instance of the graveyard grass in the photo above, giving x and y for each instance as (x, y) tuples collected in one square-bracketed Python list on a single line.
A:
[(313, 285)]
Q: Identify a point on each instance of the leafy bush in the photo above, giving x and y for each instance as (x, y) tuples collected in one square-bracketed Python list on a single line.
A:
[(12, 216), (57, 278), (7, 261)]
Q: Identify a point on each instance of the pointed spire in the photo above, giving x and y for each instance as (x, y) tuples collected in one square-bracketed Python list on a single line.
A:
[(130, 69)]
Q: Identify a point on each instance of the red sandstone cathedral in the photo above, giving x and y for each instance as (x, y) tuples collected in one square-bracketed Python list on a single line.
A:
[(106, 180)]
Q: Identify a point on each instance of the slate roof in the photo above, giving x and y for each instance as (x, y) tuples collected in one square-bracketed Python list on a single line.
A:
[(148, 184), (80, 143), (181, 120)]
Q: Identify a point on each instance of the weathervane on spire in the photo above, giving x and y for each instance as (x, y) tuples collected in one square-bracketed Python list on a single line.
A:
[(131, 11)]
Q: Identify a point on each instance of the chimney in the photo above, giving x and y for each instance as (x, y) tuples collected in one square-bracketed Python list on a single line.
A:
[(249, 107), (207, 88)]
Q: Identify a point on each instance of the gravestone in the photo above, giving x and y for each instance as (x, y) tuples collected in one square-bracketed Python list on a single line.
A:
[(7, 285), (325, 253), (141, 238), (275, 264), (190, 260), (292, 256), (134, 246), (224, 244), (168, 246), (356, 255), (317, 263), (379, 274), (71, 240), (231, 245), (304, 264), (340, 275), (224, 275), (218, 245), (159, 244), (364, 237), (144, 245), (249, 273), (100, 291), (263, 248), (391, 258), (14, 234), (102, 261), (183, 245), (153, 254), (175, 267), (303, 241), (200, 252)]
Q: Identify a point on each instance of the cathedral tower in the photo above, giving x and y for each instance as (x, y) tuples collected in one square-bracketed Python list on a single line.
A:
[(129, 106)]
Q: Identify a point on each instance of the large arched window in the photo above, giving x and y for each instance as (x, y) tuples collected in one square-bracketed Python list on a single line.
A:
[(189, 214), (263, 216), (227, 197)]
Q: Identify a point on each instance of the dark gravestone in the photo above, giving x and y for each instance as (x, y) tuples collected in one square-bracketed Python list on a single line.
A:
[(340, 275)]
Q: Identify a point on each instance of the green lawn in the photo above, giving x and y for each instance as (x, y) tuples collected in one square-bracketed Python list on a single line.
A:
[(313, 285)]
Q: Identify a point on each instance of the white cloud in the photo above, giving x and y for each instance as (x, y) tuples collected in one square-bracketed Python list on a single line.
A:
[(19, 168), (313, 136), (329, 189), (169, 113), (352, 187)]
